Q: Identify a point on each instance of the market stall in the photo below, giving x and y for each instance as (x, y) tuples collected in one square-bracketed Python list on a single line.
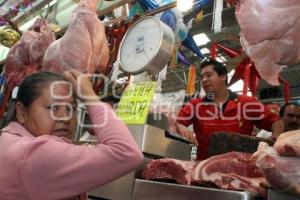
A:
[(149, 69)]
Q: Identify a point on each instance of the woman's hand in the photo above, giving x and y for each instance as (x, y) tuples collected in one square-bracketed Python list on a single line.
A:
[(184, 131), (82, 85)]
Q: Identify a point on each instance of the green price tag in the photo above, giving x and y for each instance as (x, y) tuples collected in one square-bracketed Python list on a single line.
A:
[(135, 102)]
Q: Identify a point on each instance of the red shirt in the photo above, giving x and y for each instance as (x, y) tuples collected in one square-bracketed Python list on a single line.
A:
[(239, 114)]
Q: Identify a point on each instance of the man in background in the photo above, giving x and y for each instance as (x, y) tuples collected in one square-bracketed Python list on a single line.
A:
[(290, 115)]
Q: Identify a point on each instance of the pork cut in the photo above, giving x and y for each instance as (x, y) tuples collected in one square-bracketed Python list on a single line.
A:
[(281, 173), (83, 46), (169, 169), (232, 171), (270, 34), (25, 57), (288, 143)]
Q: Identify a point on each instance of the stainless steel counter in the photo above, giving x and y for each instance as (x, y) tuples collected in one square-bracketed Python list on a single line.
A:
[(276, 195), (120, 189), (153, 142), (150, 190)]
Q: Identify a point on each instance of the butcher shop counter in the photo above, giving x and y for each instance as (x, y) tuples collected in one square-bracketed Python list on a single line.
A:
[(150, 190), (276, 195), (155, 142)]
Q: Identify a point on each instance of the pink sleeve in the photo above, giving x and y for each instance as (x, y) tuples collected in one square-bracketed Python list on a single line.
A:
[(54, 169)]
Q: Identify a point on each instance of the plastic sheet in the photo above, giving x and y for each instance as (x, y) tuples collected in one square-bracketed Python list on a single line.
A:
[(168, 104), (174, 19)]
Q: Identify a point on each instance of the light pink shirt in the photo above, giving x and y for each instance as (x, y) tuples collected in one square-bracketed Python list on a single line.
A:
[(51, 168)]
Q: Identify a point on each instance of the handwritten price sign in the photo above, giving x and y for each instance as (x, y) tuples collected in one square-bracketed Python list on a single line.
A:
[(135, 102)]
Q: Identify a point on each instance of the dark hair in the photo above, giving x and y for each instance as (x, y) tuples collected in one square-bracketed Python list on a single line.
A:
[(217, 67), (31, 86), (282, 109), (30, 89)]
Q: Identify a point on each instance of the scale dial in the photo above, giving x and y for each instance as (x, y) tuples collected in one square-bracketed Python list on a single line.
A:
[(143, 44)]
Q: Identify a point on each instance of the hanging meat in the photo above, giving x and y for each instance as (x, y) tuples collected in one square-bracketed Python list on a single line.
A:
[(270, 34), (26, 56), (83, 46)]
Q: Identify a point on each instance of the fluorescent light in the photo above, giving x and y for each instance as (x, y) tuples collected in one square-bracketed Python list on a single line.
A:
[(184, 5), (205, 51), (237, 87), (118, 12), (230, 74), (3, 52), (122, 80), (52, 3), (223, 58), (219, 60), (127, 9), (201, 39), (248, 93)]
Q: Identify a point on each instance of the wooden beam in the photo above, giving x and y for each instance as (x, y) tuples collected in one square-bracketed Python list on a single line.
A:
[(113, 6), (228, 19), (149, 13), (37, 5)]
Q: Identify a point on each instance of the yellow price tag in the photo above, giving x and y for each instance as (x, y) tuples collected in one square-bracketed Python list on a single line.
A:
[(134, 105)]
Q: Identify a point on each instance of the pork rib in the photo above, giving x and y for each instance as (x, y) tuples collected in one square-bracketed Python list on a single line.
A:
[(170, 169), (83, 46), (233, 171)]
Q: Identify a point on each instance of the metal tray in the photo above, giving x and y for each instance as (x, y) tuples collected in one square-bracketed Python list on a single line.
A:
[(276, 195), (149, 190)]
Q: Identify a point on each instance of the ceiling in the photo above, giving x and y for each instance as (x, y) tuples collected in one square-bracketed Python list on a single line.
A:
[(228, 37)]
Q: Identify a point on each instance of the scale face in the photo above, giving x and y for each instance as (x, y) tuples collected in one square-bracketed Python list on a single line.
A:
[(147, 46)]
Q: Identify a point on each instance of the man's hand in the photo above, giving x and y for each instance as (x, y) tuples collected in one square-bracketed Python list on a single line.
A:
[(277, 129), (184, 132)]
